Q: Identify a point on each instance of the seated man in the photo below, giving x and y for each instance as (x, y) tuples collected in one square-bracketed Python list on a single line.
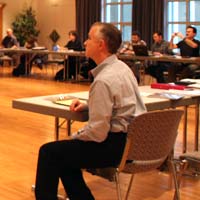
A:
[(189, 47), (10, 41), (114, 100), (85, 70), (127, 48), (159, 48)]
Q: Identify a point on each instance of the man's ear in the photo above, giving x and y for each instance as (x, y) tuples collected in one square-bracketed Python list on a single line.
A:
[(102, 44)]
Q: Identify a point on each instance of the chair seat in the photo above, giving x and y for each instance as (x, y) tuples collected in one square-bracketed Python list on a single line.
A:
[(6, 59), (55, 61)]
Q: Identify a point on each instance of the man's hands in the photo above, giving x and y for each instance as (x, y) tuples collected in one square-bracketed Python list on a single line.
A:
[(77, 105), (178, 34), (175, 34)]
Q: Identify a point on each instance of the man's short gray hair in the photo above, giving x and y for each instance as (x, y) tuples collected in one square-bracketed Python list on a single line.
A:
[(111, 35)]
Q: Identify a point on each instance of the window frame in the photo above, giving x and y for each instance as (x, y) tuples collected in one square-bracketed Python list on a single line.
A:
[(120, 24), (187, 21)]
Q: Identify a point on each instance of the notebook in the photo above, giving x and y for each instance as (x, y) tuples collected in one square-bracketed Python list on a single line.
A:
[(67, 101), (140, 50)]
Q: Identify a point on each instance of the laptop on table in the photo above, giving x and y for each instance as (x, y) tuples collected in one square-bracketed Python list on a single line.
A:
[(140, 50)]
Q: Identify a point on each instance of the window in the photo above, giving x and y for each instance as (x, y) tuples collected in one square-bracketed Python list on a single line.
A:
[(119, 13), (180, 14)]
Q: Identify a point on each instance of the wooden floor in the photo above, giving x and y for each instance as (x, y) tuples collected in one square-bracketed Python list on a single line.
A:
[(22, 133)]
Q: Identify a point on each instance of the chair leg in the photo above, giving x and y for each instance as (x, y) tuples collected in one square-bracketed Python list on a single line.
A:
[(176, 195), (182, 168), (119, 195), (129, 186)]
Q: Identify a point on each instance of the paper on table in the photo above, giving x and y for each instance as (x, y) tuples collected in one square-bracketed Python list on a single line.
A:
[(67, 102), (38, 48), (186, 92), (167, 95), (195, 85), (190, 80), (192, 83), (145, 94)]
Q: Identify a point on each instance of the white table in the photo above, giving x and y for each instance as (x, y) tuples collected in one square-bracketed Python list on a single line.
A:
[(45, 105)]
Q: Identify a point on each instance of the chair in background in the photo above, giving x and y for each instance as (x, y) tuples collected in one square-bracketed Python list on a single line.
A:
[(54, 62), (196, 74), (6, 60), (150, 141)]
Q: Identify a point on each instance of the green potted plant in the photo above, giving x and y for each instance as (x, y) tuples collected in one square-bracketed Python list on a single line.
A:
[(24, 25)]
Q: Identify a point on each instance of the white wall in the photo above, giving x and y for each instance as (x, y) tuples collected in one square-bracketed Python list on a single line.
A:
[(50, 14), (58, 15), (11, 10)]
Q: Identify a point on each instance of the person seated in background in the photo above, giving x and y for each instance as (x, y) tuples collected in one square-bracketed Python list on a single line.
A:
[(114, 100), (10, 41), (39, 59), (85, 70), (127, 48), (160, 47), (70, 63), (189, 47)]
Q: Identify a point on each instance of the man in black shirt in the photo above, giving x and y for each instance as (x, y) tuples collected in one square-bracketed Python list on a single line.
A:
[(189, 47), (9, 41)]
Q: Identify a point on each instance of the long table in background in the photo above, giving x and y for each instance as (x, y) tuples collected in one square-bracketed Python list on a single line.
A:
[(79, 54), (163, 58), (37, 51), (45, 105)]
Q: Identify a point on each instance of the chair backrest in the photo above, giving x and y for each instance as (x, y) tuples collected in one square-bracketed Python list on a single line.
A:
[(151, 138)]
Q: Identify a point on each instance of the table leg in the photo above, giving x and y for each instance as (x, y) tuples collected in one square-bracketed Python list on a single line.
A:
[(66, 67), (77, 68), (26, 64), (185, 129), (56, 128), (68, 127), (196, 140)]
